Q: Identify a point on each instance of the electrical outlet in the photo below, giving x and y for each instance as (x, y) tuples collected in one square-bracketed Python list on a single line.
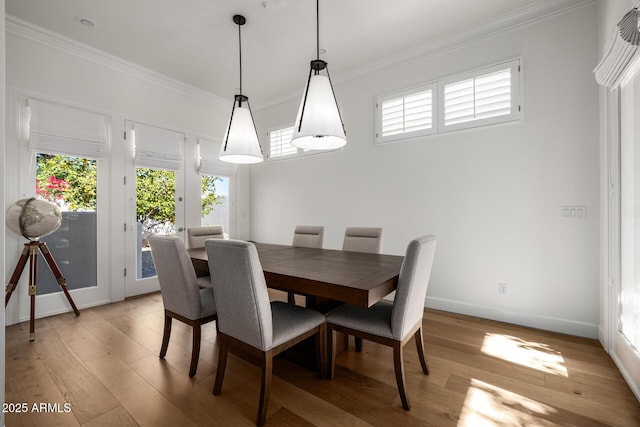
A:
[(574, 212), (503, 288)]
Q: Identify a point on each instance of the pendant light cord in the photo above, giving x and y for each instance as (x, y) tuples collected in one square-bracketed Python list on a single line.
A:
[(240, 54), (318, 28)]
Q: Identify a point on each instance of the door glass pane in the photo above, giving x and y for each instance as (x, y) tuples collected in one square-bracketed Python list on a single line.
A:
[(215, 201), (629, 298), (70, 183), (155, 213)]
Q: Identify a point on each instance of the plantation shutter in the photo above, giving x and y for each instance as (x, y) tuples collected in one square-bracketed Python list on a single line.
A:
[(157, 148), (478, 98), (208, 162), (59, 129), (408, 113), (280, 143)]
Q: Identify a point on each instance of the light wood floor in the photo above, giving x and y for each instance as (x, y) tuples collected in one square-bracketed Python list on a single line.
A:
[(105, 365)]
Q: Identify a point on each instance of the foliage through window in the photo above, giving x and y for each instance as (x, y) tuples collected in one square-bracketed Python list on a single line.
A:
[(69, 182)]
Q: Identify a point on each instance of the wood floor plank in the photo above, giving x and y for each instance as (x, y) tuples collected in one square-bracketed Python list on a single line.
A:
[(117, 417), (86, 394), (196, 401), (105, 363), (145, 404)]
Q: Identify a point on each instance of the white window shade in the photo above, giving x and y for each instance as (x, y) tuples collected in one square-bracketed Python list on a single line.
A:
[(208, 162), (158, 148), (613, 66), (58, 129)]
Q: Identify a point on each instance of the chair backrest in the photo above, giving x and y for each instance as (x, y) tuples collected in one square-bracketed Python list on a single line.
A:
[(177, 277), (408, 306), (197, 235), (362, 239), (240, 290), (308, 236)]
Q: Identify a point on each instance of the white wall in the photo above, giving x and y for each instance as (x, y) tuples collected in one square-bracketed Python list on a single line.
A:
[(491, 195), (46, 66)]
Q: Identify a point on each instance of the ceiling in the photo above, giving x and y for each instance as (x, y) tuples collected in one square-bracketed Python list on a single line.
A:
[(196, 41)]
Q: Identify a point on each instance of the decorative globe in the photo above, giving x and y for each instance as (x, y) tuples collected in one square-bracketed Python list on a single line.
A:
[(33, 218)]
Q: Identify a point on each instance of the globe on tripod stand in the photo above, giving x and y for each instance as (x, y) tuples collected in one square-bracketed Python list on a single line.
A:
[(33, 218)]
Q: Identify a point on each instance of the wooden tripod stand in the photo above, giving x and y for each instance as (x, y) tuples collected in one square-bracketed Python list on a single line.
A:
[(30, 252)]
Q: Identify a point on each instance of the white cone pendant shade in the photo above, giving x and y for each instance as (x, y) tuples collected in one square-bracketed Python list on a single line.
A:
[(240, 143), (319, 124), (321, 127)]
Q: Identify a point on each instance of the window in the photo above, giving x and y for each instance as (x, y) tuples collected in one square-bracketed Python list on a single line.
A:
[(481, 97), (476, 98), (406, 114), (216, 179), (215, 201), (280, 143)]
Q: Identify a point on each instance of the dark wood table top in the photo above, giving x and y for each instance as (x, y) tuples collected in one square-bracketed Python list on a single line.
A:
[(351, 277)]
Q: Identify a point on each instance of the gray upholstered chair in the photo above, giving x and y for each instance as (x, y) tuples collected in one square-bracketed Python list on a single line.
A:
[(182, 297), (391, 324), (308, 236), (362, 239), (248, 323), (196, 237)]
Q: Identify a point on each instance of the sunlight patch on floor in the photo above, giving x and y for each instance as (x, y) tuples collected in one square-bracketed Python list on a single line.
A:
[(526, 353), (488, 405)]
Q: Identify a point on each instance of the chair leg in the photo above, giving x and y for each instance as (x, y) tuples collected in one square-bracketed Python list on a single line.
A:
[(265, 388), (165, 336), (321, 351), (331, 353), (195, 349), (222, 364), (358, 344), (291, 298), (399, 368), (420, 348)]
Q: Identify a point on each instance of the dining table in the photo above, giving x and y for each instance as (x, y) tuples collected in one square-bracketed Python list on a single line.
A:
[(327, 277)]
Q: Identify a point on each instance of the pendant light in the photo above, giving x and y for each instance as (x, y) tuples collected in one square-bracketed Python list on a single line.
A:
[(240, 143), (319, 124)]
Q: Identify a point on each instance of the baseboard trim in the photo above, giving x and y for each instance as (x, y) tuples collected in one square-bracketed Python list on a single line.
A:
[(62, 310), (635, 388), (555, 324)]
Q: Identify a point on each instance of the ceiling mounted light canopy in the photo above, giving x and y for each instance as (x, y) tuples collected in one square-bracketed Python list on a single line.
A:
[(319, 124), (240, 143)]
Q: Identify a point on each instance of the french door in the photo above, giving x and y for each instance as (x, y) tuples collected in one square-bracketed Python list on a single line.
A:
[(625, 303), (155, 199), (64, 157)]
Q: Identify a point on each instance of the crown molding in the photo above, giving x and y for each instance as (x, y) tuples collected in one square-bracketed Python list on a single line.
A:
[(517, 19), (29, 31)]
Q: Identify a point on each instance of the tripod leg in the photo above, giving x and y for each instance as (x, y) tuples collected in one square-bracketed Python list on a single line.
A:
[(22, 261), (33, 289), (56, 272)]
